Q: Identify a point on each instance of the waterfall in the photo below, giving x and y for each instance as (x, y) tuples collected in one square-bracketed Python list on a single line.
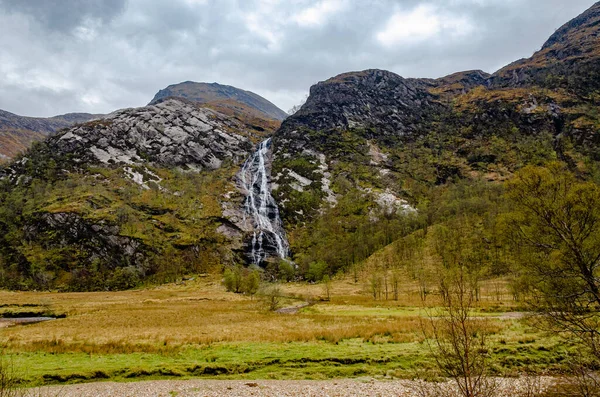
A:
[(269, 236)]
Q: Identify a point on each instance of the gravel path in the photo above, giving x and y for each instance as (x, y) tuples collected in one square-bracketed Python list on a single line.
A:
[(259, 388), (216, 388)]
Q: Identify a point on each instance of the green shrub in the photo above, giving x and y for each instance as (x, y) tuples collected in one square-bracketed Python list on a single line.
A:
[(316, 271)]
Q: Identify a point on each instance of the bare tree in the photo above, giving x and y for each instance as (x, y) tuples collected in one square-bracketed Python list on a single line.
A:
[(395, 284), (375, 285), (459, 341), (327, 286), (272, 296)]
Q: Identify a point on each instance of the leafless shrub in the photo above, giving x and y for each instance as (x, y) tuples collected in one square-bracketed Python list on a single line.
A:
[(527, 385), (421, 388), (530, 385), (271, 295), (585, 381), (459, 341)]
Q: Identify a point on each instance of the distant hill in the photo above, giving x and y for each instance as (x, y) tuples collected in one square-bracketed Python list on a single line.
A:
[(224, 98), (18, 132)]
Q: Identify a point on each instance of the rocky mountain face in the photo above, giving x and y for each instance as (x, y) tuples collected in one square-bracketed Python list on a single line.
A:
[(171, 133), (570, 59), (186, 185), (224, 98), (17, 133), (374, 138), (352, 100), (127, 194)]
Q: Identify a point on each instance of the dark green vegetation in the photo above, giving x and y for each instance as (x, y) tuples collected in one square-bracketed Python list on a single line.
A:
[(50, 228)]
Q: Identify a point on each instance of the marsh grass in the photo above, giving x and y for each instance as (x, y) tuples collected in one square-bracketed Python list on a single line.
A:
[(199, 329)]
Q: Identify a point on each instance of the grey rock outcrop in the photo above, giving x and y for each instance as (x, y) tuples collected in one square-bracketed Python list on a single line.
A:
[(371, 99), (380, 107), (169, 133), (101, 240)]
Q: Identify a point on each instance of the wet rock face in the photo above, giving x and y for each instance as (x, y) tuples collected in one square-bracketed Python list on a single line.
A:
[(169, 133), (267, 238)]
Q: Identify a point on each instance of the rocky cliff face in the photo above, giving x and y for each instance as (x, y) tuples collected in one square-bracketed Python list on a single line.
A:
[(169, 133), (142, 192), (569, 60), (347, 123), (375, 100)]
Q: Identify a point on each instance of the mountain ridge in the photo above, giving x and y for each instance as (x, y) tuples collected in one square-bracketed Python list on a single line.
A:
[(17, 133), (221, 95), (569, 59)]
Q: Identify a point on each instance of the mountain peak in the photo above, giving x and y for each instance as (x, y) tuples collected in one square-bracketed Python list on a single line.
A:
[(580, 30), (368, 99), (223, 97), (573, 51)]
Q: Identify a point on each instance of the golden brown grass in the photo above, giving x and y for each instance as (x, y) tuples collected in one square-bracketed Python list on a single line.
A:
[(170, 317), (199, 329), (517, 97)]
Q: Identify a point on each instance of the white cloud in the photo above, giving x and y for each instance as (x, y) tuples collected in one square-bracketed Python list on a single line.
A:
[(74, 55), (265, 23), (88, 30), (422, 23), (319, 13), (92, 99)]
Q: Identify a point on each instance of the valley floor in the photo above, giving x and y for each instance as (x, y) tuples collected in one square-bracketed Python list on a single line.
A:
[(198, 330)]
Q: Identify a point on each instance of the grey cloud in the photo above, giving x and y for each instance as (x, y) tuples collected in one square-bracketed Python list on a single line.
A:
[(63, 15), (55, 60)]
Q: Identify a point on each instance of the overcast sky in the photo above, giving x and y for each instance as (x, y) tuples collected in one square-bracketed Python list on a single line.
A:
[(59, 56)]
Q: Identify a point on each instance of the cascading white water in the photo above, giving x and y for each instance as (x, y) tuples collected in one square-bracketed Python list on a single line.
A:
[(262, 208)]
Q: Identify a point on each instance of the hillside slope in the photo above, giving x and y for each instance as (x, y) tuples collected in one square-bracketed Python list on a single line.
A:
[(142, 193), (223, 97), (570, 60), (367, 146), (17, 133)]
